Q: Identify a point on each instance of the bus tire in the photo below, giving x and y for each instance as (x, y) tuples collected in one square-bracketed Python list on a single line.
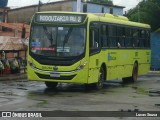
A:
[(51, 84), (100, 83), (135, 72), (134, 76)]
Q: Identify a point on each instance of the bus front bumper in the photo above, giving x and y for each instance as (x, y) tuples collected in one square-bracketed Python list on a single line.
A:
[(76, 76)]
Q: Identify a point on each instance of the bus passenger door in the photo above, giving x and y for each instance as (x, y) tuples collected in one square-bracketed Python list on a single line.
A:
[(94, 50)]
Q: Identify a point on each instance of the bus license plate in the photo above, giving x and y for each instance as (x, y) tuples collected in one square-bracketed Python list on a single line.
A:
[(55, 75)]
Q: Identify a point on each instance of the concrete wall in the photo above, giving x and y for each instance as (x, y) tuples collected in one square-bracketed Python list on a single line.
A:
[(61, 6), (21, 15), (25, 14)]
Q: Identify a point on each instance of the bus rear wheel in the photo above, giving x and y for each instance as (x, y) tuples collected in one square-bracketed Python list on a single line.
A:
[(134, 76), (135, 73), (100, 83), (51, 84)]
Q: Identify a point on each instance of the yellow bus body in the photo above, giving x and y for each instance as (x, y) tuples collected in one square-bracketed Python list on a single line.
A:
[(118, 62)]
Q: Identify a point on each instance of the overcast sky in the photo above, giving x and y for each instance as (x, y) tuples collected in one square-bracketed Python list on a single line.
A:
[(126, 3), (18, 3)]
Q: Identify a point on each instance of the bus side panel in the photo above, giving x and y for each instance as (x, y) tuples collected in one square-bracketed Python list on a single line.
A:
[(128, 56), (128, 70), (123, 63), (111, 73), (94, 65), (144, 61), (111, 64), (119, 63)]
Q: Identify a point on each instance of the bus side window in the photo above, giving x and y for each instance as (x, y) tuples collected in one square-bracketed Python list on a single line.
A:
[(104, 41), (135, 37), (147, 39), (128, 40), (141, 38), (121, 36), (112, 36), (94, 41)]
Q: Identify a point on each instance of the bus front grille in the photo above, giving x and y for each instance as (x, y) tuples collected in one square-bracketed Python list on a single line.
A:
[(42, 76)]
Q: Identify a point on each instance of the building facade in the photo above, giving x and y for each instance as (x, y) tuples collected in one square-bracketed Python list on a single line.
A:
[(3, 14), (25, 14)]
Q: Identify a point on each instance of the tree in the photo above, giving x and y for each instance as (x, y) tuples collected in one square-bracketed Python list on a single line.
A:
[(147, 11)]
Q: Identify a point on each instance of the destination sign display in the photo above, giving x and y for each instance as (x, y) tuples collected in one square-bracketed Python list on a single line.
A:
[(60, 18)]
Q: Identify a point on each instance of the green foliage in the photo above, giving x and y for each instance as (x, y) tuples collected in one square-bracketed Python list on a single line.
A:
[(147, 11)]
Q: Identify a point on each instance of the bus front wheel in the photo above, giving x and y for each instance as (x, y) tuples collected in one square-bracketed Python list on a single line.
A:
[(100, 83), (51, 84)]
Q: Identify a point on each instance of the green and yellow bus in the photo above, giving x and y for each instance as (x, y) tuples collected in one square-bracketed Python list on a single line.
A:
[(71, 47)]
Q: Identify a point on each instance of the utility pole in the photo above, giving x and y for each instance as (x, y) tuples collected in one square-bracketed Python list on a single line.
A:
[(39, 5), (78, 5)]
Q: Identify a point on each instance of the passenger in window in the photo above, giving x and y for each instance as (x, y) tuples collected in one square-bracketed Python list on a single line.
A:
[(96, 44), (119, 45)]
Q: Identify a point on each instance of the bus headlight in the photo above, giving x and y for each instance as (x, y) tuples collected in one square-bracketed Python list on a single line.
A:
[(82, 65), (31, 64)]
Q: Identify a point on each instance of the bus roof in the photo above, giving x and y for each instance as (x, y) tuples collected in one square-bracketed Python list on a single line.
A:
[(114, 19), (103, 17)]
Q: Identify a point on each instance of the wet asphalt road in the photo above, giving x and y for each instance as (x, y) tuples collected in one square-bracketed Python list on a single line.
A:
[(23, 95)]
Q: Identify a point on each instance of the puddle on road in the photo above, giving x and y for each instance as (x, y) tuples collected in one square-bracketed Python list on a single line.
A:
[(157, 105), (140, 90), (41, 103), (7, 92), (154, 93), (22, 88), (5, 99), (72, 90), (144, 91), (64, 90)]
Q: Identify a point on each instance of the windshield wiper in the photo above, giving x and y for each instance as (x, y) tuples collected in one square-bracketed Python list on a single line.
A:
[(49, 35), (66, 38)]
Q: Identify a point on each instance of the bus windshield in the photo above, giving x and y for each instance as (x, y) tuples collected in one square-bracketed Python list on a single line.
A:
[(57, 41)]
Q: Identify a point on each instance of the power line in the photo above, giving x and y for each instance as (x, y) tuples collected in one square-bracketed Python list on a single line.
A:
[(48, 1)]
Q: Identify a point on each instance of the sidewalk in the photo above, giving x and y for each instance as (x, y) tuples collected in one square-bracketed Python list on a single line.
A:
[(17, 76)]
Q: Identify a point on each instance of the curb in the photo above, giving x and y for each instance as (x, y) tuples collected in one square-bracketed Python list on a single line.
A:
[(13, 76)]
